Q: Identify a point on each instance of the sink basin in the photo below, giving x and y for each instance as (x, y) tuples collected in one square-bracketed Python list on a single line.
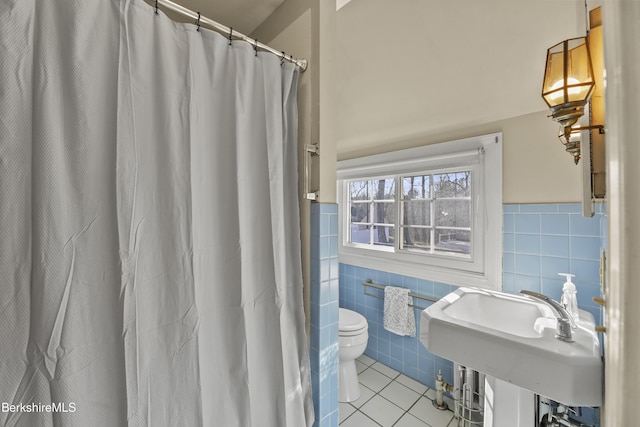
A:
[(512, 337)]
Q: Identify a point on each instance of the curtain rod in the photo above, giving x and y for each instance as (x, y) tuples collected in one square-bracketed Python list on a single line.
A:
[(302, 63)]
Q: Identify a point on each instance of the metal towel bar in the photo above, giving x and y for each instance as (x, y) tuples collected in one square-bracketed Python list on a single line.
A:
[(369, 283)]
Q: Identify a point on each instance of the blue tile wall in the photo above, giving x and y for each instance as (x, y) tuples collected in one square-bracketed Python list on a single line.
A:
[(404, 354), (540, 241), (324, 313)]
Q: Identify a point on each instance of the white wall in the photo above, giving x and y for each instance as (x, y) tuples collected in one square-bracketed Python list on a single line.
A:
[(536, 168), (622, 341), (415, 72)]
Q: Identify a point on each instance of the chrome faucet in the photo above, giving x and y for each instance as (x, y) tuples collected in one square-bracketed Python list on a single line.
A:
[(565, 321)]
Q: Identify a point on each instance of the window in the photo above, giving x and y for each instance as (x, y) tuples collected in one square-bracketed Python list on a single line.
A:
[(373, 212), (425, 212)]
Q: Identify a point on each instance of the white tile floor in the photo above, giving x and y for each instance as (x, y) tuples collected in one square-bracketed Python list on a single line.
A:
[(389, 398)]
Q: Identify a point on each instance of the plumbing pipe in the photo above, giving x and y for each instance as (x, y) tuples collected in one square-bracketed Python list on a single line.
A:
[(554, 421), (441, 387), (560, 419)]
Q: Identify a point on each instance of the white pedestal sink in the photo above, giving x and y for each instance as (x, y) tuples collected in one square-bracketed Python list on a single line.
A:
[(507, 405), (512, 338)]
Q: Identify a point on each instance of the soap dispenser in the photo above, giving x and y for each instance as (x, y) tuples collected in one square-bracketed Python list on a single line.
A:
[(569, 299)]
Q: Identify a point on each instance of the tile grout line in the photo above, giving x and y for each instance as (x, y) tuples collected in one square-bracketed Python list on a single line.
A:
[(393, 379)]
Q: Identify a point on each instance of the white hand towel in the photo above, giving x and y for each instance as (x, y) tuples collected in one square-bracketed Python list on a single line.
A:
[(398, 316)]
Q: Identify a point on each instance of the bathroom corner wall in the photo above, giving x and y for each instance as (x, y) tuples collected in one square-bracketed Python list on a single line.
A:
[(324, 313)]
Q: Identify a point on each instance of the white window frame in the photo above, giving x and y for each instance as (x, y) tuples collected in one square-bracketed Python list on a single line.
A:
[(483, 156)]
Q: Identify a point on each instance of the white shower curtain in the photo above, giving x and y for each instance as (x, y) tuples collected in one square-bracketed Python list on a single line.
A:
[(150, 267)]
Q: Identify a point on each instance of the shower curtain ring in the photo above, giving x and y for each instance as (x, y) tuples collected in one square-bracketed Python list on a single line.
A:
[(156, 7), (255, 47), (230, 35), (198, 23), (282, 59)]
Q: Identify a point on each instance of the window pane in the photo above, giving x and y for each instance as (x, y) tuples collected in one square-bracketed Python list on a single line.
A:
[(383, 235), (448, 195), (384, 213), (453, 241), (416, 238), (359, 190), (453, 213), (360, 212), (384, 189), (456, 184), (416, 212), (360, 234), (415, 187)]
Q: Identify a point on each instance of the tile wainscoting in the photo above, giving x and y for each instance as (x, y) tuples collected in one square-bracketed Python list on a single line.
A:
[(323, 353), (404, 354), (540, 241)]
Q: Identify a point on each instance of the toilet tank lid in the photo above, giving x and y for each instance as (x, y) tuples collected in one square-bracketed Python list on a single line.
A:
[(349, 320)]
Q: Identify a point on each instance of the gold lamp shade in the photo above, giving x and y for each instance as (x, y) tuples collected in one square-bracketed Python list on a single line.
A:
[(568, 80)]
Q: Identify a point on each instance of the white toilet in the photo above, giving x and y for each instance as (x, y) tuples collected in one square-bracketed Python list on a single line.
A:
[(352, 341)]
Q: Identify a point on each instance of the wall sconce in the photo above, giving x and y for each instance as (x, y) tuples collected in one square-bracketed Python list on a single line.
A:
[(574, 86), (567, 87)]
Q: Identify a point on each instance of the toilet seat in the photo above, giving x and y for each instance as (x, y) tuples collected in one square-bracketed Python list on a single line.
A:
[(351, 323)]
